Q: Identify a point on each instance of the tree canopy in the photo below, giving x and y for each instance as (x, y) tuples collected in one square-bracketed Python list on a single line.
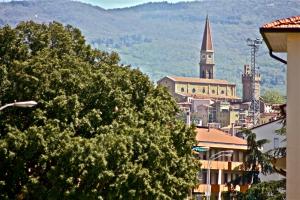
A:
[(101, 130), (273, 97)]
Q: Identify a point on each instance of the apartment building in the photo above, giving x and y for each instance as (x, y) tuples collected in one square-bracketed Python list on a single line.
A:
[(216, 161)]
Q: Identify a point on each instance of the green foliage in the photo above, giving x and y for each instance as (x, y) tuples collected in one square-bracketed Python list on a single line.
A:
[(273, 97), (100, 130), (273, 190), (256, 161)]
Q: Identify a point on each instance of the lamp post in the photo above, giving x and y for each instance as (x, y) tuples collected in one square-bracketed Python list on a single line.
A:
[(215, 156), (21, 104)]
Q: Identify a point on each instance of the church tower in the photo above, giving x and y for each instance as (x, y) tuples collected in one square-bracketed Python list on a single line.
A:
[(247, 81), (207, 63)]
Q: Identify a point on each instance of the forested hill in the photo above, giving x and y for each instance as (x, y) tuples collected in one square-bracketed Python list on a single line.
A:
[(164, 39)]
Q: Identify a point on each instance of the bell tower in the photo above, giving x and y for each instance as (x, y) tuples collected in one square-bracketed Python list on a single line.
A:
[(207, 63)]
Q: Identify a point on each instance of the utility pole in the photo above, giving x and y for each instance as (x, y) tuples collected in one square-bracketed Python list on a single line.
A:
[(255, 80)]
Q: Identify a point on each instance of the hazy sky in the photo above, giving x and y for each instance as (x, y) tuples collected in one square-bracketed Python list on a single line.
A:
[(123, 3)]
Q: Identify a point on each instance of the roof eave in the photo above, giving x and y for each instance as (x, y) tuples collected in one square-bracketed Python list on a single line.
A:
[(264, 31)]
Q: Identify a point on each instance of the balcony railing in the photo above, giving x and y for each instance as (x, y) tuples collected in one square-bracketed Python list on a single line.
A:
[(215, 188), (223, 165)]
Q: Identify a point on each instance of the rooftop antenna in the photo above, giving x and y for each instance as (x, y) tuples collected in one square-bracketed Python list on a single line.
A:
[(255, 80)]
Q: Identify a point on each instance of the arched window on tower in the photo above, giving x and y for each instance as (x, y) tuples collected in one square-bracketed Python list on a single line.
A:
[(207, 74), (210, 74)]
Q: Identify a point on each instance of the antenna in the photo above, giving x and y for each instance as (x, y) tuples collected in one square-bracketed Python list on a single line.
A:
[(255, 80)]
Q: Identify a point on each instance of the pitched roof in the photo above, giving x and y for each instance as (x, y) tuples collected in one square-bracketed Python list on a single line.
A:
[(291, 22), (207, 44), (217, 138), (199, 80), (274, 34), (277, 121)]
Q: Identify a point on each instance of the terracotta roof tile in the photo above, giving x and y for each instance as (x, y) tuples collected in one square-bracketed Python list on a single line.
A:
[(217, 136), (291, 22), (199, 80)]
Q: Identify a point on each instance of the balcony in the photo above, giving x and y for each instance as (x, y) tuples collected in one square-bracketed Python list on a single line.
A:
[(215, 188), (223, 165)]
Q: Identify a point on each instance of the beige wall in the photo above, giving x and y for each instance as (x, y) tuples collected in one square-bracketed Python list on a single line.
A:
[(293, 117), (170, 85), (202, 113), (226, 118), (215, 89), (221, 90)]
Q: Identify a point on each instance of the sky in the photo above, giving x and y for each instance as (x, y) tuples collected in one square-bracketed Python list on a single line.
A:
[(108, 4)]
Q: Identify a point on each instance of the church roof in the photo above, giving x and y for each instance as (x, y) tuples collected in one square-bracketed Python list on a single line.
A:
[(199, 80), (207, 44)]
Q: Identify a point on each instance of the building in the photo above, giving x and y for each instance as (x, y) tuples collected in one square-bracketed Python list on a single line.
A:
[(284, 36), (226, 115), (207, 62), (224, 168), (183, 87), (247, 81), (268, 131), (265, 118), (202, 116), (206, 86)]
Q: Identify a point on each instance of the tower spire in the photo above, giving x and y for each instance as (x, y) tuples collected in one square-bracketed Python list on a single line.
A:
[(207, 53), (207, 44)]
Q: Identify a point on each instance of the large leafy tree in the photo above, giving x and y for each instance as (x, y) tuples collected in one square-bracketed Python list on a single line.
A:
[(273, 97), (100, 131)]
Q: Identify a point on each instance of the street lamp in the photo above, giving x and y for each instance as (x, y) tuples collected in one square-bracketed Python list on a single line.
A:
[(21, 104), (215, 156)]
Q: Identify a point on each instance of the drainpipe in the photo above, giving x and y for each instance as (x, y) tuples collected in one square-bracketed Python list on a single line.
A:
[(276, 57)]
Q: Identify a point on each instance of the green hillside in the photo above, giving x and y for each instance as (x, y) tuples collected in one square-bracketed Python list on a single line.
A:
[(164, 39)]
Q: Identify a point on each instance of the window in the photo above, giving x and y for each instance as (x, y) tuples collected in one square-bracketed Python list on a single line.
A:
[(225, 178), (182, 89), (204, 177), (203, 90), (204, 156), (222, 92), (193, 90), (213, 91), (209, 56)]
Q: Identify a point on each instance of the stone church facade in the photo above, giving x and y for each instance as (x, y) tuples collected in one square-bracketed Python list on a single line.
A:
[(206, 86)]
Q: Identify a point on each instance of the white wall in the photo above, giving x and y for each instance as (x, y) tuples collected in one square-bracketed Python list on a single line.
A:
[(268, 132)]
